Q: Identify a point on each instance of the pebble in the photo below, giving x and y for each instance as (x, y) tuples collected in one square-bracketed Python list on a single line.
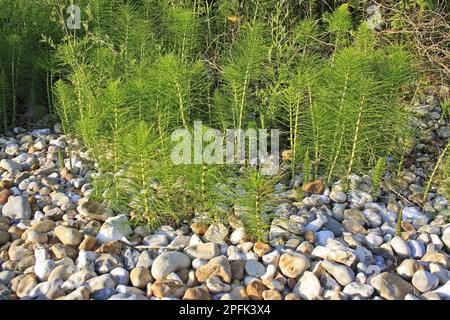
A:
[(197, 293), (94, 210), (365, 291), (391, 286), (17, 207), (424, 281), (155, 241), (323, 236), (78, 279), (36, 237), (43, 268), (48, 290), (169, 262), (417, 248), (140, 277), (440, 272), (338, 196), (214, 284), (343, 274), (335, 252), (271, 258), (204, 251), (218, 266), (408, 268), (272, 295), (400, 246), (293, 265), (114, 228), (68, 236), (254, 268), (25, 285), (4, 237), (216, 232), (308, 287), (101, 282), (446, 237)]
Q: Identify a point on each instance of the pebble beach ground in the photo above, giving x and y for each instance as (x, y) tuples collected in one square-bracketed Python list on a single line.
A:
[(55, 243)]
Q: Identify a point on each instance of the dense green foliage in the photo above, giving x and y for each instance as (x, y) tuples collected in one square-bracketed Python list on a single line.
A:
[(138, 70), (25, 63)]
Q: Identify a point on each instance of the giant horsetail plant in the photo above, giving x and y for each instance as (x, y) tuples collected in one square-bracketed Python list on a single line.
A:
[(253, 201), (138, 70), (442, 164), (4, 101)]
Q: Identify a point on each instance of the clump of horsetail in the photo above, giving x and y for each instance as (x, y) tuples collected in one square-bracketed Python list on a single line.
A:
[(60, 158), (377, 175), (398, 228), (306, 168), (434, 172)]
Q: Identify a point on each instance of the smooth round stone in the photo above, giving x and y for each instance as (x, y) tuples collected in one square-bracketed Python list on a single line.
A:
[(246, 247), (214, 284), (364, 255), (255, 268), (437, 241), (217, 232), (123, 296), (223, 248), (169, 262), (68, 236), (410, 296), (180, 242), (250, 256), (417, 248), (237, 236), (323, 236), (446, 237), (439, 271), (144, 260), (128, 290), (373, 217), (155, 241), (270, 272), (103, 294), (204, 251), (308, 287), (407, 268), (363, 290), (62, 271), (36, 237), (121, 275), (373, 240), (329, 283), (343, 274), (140, 277), (271, 258), (194, 240), (43, 269), (292, 264), (197, 263), (338, 196), (17, 207), (425, 281), (411, 213), (6, 276), (400, 246), (361, 278), (4, 237), (338, 211)]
